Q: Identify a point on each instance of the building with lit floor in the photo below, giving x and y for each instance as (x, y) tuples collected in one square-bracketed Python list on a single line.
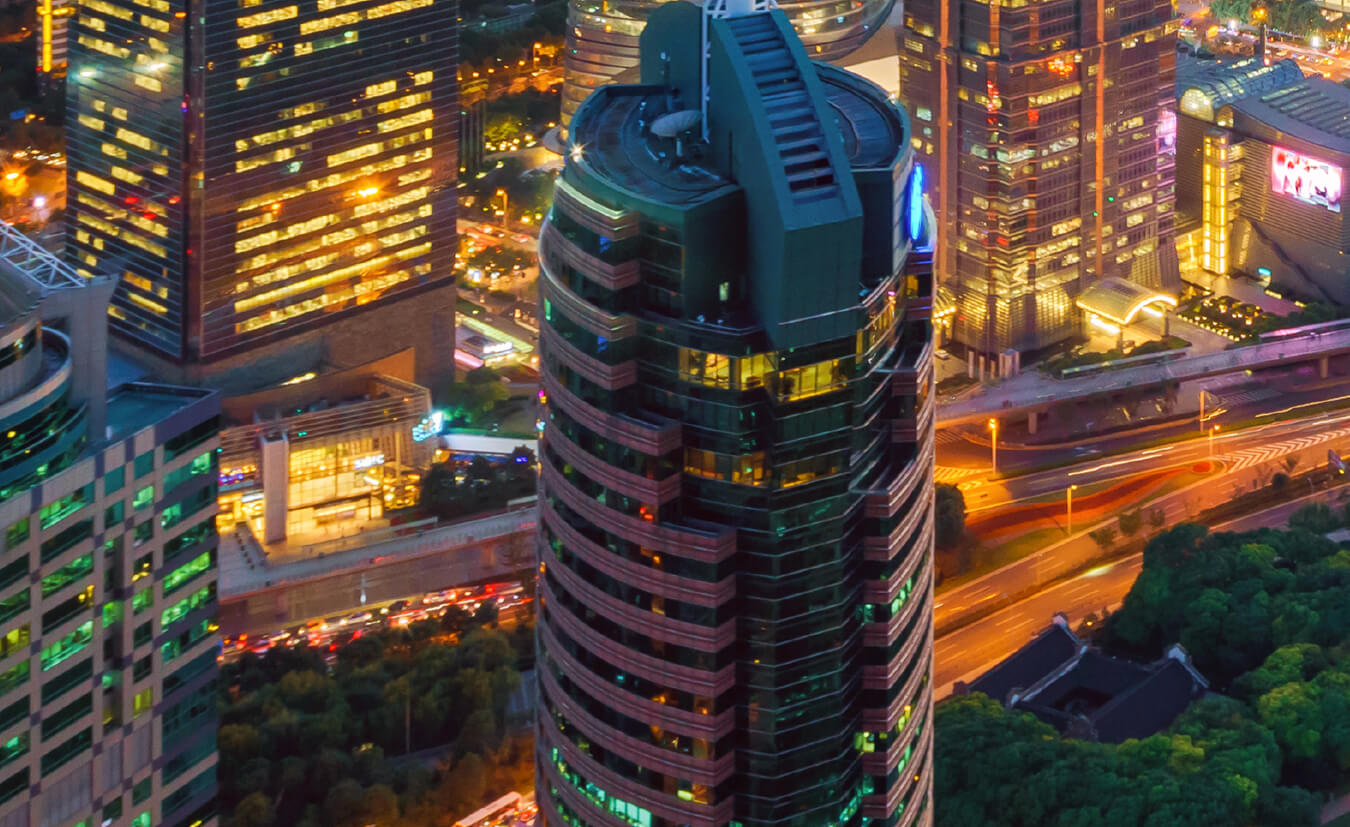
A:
[(1048, 130), (273, 183), (108, 639), (736, 497), (603, 35), (1266, 151), (325, 456)]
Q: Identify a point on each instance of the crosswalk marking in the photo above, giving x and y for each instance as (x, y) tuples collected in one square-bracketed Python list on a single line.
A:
[(945, 474), (1252, 457)]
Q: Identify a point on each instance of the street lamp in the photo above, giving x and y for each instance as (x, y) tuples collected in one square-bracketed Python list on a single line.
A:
[(993, 446), (1212, 432), (505, 218), (1068, 504)]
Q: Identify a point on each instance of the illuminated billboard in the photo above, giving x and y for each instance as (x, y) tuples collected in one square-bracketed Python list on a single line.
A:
[(1307, 179)]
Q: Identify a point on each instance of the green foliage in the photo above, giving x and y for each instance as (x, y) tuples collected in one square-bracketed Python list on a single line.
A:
[(1315, 517), (1314, 312), (1130, 522), (475, 397), (950, 515), (305, 744), (1105, 537), (1216, 766), (484, 487), (1301, 17)]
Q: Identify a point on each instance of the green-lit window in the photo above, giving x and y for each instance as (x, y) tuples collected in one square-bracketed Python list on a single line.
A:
[(17, 533), (15, 747), (142, 820), (176, 513), (199, 533), (67, 538), (145, 463), (112, 613), (202, 597), (73, 606), (13, 605), (53, 513), (76, 569), (185, 573), (201, 464), (114, 514), (142, 600), (142, 703), (142, 790), (144, 498), (114, 480), (13, 677), (171, 649), (143, 532), (69, 646)]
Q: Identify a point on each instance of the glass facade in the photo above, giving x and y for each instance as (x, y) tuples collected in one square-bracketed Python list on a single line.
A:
[(1045, 125), (602, 37), (735, 507), (300, 164)]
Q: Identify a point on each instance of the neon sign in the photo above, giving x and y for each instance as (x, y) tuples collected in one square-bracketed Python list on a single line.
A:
[(369, 462), (914, 204), (429, 427), (1306, 179)]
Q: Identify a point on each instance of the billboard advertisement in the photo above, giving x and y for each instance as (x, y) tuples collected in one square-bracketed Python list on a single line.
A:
[(1307, 179)]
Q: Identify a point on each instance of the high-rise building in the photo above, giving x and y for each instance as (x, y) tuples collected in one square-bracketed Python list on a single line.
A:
[(1050, 133), (737, 459), (269, 180), (602, 37), (108, 639)]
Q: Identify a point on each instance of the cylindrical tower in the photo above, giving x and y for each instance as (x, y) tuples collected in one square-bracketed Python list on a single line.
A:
[(736, 496), (602, 37)]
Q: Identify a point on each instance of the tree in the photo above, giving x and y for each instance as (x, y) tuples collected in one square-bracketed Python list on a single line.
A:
[(477, 395), (1315, 517), (1157, 518), (255, 810), (464, 786), (1104, 537), (1130, 522), (949, 515)]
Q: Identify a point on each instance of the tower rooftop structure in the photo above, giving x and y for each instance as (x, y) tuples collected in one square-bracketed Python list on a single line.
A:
[(736, 481)]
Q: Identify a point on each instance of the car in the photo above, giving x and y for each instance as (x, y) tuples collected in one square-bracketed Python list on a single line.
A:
[(942, 354)]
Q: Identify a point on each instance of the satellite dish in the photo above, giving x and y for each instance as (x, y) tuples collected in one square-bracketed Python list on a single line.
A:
[(676, 123)]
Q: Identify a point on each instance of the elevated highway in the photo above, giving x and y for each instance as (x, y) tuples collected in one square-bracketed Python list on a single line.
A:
[(1031, 393)]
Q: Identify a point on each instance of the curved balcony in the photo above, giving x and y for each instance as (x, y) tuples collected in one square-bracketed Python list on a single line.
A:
[(593, 215), (581, 311), (655, 581), (649, 438), (883, 677), (919, 471), (884, 591), (48, 381), (707, 547), (609, 377), (686, 678), (879, 808), (709, 727), (884, 548), (881, 763), (610, 276), (597, 470), (881, 634), (710, 639), (667, 762), (668, 807), (878, 719)]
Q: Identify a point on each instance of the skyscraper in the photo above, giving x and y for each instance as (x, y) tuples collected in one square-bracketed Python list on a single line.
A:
[(108, 637), (602, 37), (1050, 131), (737, 458), (255, 170)]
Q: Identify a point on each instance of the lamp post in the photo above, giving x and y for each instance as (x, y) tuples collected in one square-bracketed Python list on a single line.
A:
[(993, 446), (505, 206), (1202, 409), (1212, 432), (1068, 504)]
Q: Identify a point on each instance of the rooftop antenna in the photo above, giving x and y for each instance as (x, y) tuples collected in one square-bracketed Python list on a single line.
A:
[(723, 8)]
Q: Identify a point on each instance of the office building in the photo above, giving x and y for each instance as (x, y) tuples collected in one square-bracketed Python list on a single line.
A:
[(736, 498), (1263, 153), (108, 639), (602, 37), (1049, 132), (273, 183)]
